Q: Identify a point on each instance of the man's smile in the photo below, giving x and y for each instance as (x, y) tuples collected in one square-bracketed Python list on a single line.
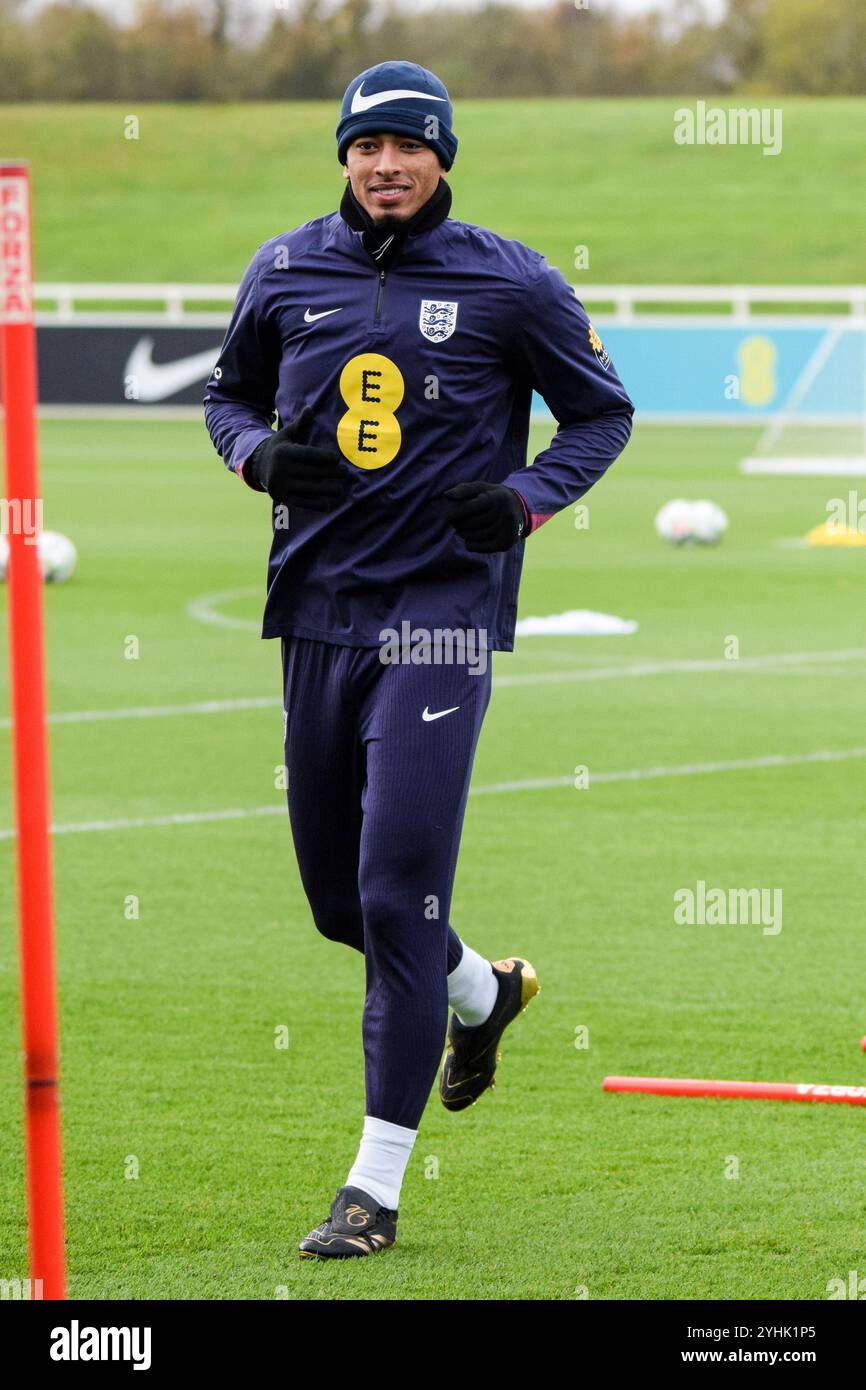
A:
[(388, 193)]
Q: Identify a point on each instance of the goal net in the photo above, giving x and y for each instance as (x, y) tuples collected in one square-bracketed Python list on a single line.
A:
[(820, 428)]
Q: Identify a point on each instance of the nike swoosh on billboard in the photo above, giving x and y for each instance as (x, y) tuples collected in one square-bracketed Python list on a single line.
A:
[(156, 381)]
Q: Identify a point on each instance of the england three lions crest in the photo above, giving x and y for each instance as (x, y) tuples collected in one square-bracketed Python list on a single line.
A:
[(438, 319)]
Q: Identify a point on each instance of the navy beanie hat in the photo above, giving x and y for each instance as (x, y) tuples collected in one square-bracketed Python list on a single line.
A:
[(402, 97)]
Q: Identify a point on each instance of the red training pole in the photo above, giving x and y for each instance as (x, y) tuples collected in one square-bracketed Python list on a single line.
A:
[(18, 384), (736, 1090)]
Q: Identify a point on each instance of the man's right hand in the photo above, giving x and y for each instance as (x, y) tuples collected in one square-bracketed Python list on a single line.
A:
[(295, 474)]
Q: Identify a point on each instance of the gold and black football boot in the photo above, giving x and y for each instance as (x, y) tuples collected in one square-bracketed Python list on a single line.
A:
[(472, 1053), (357, 1225)]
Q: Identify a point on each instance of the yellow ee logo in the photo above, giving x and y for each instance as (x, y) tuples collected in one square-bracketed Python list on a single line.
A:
[(369, 433), (756, 358)]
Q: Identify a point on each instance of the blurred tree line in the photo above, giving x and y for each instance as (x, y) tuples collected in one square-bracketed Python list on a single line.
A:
[(218, 50)]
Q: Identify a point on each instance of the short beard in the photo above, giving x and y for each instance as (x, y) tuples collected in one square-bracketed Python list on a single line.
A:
[(388, 223)]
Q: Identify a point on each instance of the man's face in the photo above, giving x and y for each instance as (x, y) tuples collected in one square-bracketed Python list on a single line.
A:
[(392, 175)]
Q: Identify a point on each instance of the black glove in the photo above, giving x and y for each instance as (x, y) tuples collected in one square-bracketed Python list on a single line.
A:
[(295, 474), (488, 516)]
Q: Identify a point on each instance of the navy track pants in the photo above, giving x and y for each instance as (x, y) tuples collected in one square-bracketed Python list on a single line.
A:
[(377, 791)]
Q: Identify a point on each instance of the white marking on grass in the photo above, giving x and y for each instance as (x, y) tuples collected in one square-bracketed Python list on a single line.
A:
[(204, 610), (576, 622), (819, 661), (641, 774), (635, 774), (89, 827), (96, 716), (664, 668), (806, 468)]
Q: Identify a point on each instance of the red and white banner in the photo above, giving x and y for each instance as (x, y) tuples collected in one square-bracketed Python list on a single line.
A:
[(16, 269)]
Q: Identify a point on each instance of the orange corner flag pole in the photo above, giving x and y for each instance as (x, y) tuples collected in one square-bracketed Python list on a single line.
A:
[(736, 1090), (18, 385)]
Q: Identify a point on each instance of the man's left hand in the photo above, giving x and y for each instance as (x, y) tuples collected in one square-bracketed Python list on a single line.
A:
[(487, 516)]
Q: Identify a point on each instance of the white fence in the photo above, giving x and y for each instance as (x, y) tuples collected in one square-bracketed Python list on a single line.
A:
[(616, 304), (168, 304), (739, 304), (714, 354)]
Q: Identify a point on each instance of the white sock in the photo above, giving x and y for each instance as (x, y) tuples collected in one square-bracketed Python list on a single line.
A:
[(382, 1158), (472, 988)]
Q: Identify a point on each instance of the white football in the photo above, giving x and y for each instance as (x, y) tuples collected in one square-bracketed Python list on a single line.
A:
[(682, 521), (674, 521), (4, 557), (709, 523), (57, 557)]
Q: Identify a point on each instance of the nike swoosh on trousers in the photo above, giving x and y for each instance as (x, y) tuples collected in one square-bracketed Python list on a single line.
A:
[(428, 717)]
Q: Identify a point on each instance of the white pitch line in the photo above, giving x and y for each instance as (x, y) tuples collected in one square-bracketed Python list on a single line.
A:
[(662, 668), (640, 774), (205, 609), (806, 468), (100, 716), (635, 774), (767, 665), (145, 822), (95, 716)]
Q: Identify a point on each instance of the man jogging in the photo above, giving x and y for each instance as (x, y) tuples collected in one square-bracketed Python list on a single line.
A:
[(399, 349)]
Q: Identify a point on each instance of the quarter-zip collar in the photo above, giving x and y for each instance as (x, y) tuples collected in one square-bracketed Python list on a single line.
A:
[(382, 247)]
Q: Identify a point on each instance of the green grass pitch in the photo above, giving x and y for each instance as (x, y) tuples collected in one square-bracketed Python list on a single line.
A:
[(197, 1152), (202, 186), (548, 1188)]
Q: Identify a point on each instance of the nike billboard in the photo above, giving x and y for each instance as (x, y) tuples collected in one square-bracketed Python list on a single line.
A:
[(672, 367), (108, 366)]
